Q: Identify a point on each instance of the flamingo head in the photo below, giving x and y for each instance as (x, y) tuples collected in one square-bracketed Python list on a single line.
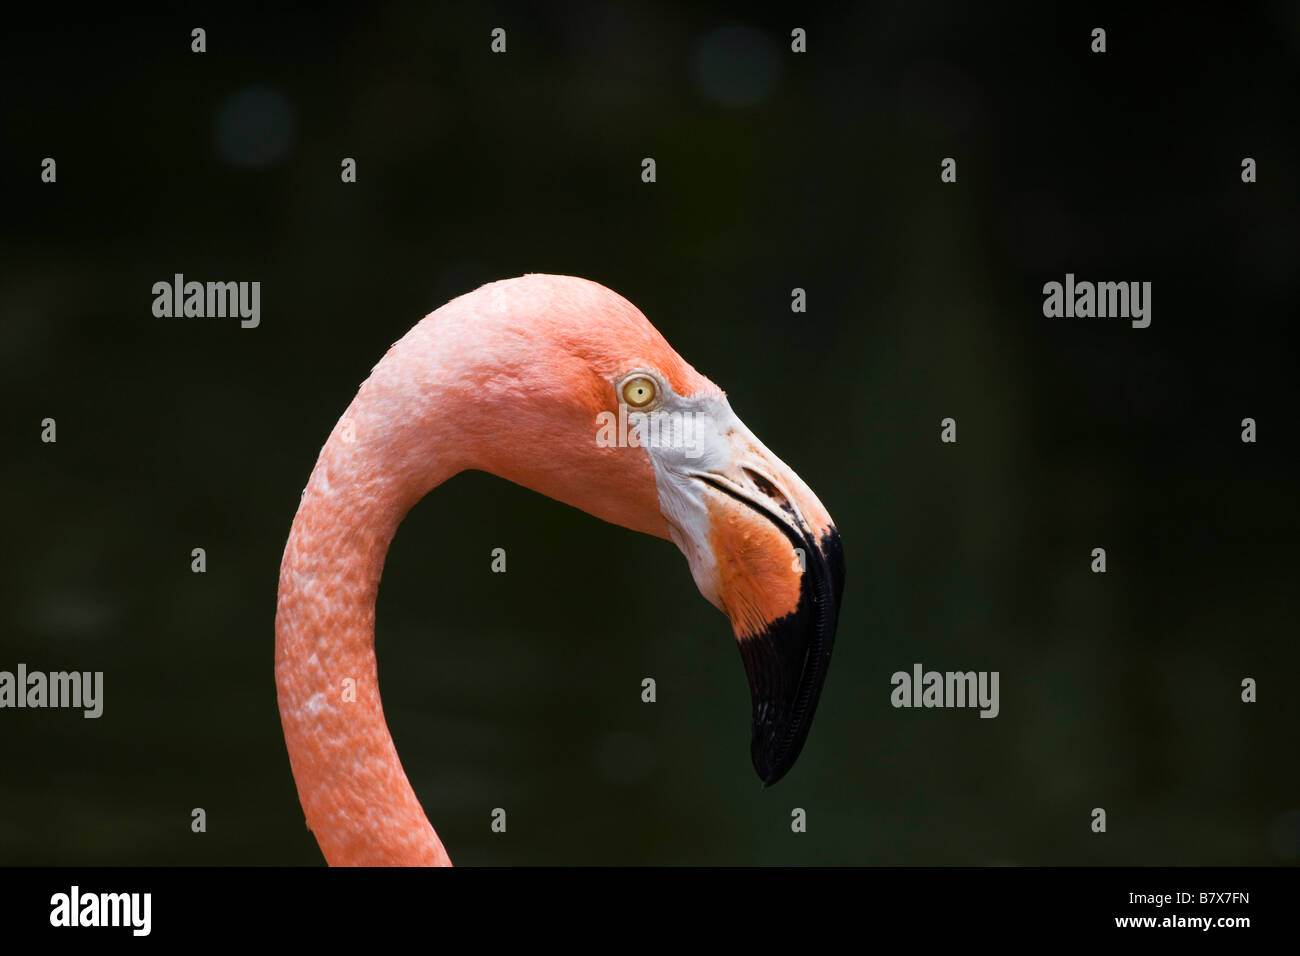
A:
[(616, 423), (761, 548)]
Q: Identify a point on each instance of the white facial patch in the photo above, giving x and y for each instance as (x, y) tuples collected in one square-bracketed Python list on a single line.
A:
[(684, 436)]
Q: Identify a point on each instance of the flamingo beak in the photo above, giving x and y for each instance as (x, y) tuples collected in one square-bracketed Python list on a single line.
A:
[(779, 577)]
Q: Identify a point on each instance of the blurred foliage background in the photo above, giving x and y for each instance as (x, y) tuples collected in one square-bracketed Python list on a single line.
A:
[(775, 170)]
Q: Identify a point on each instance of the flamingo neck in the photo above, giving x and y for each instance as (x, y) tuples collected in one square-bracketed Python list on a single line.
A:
[(507, 380), (357, 799)]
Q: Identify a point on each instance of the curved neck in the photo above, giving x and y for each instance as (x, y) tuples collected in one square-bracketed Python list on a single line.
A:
[(506, 380), (355, 795)]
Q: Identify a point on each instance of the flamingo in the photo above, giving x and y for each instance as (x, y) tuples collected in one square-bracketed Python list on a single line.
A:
[(514, 379)]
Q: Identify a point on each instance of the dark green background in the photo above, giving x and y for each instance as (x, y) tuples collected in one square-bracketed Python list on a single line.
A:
[(522, 690)]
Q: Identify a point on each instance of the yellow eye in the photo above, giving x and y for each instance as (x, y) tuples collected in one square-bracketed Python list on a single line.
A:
[(639, 392)]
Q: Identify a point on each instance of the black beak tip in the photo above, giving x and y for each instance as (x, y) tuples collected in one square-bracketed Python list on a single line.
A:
[(770, 778), (787, 664), (770, 765), (775, 742)]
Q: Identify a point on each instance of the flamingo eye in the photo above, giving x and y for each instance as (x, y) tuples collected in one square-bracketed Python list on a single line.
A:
[(639, 392)]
